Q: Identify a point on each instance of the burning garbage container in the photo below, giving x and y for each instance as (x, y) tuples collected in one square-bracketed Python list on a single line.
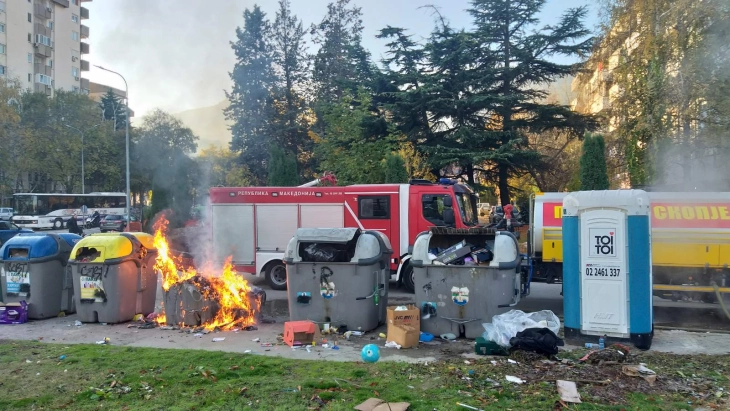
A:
[(338, 276), (34, 269), (463, 277), (114, 276)]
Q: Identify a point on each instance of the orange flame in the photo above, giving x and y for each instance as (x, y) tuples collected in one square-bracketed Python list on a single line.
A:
[(229, 289)]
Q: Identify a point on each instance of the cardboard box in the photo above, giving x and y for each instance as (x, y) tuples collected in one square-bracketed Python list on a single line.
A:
[(298, 333), (410, 317), (403, 335), (14, 313), (454, 252)]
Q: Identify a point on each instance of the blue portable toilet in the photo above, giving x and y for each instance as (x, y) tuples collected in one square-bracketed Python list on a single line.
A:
[(34, 269), (607, 277)]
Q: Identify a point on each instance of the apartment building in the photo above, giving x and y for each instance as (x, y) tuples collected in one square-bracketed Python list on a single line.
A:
[(43, 43)]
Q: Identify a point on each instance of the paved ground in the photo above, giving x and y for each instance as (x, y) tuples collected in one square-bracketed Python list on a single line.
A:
[(62, 330)]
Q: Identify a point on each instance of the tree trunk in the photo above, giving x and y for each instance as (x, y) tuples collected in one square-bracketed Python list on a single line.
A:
[(469, 169), (503, 184)]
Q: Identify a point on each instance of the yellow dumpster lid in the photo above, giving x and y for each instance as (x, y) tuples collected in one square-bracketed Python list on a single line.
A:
[(108, 246)]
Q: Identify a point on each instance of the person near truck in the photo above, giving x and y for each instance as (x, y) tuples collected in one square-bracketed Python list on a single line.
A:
[(508, 209)]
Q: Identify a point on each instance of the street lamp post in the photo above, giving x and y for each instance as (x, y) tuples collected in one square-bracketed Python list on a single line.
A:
[(126, 123), (83, 176)]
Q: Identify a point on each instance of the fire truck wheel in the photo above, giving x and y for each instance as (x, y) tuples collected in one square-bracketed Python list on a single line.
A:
[(276, 276), (408, 279)]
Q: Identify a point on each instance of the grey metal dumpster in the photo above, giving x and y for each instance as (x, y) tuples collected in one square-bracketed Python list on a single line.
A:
[(34, 269), (338, 276), (463, 277), (114, 276)]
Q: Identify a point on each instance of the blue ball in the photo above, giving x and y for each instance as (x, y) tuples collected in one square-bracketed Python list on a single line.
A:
[(370, 353)]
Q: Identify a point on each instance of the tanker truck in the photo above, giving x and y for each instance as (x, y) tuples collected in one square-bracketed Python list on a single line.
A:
[(690, 243)]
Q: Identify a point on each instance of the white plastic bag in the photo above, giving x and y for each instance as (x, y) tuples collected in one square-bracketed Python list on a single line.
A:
[(505, 326)]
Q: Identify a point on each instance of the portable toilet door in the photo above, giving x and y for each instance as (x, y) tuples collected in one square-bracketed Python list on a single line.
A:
[(607, 279)]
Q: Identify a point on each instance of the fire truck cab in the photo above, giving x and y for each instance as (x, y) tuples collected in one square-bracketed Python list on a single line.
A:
[(253, 225)]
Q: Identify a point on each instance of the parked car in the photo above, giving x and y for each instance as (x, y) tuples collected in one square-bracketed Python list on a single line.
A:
[(113, 223), (6, 213), (484, 209), (9, 230)]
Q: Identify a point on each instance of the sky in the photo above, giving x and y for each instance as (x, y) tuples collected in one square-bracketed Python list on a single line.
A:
[(176, 55)]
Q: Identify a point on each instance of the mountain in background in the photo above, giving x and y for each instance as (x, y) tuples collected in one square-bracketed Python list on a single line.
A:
[(209, 124)]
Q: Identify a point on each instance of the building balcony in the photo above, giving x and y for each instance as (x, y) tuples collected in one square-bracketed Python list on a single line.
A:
[(85, 84), (42, 88), (41, 68), (84, 48), (41, 11), (84, 12), (85, 65), (42, 50), (84, 32)]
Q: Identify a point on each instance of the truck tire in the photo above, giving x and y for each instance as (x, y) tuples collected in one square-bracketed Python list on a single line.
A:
[(408, 279), (276, 275)]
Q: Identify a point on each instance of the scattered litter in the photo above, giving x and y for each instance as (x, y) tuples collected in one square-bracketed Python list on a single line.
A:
[(198, 335), (511, 361), (640, 371), (425, 337), (357, 333), (401, 308), (167, 327), (256, 340), (392, 344), (325, 346), (79, 323), (568, 391), (348, 334), (267, 344), (250, 328), (467, 362), (448, 337), (493, 362), (219, 339), (290, 390), (493, 382), (247, 352), (37, 373), (63, 357), (29, 362), (382, 335), (138, 317), (104, 341), (335, 347), (376, 404), (469, 407), (514, 379), (308, 349), (411, 387)]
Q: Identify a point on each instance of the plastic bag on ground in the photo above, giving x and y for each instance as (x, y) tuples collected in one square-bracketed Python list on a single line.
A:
[(506, 326)]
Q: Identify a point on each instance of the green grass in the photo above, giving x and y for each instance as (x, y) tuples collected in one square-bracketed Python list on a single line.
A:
[(91, 377)]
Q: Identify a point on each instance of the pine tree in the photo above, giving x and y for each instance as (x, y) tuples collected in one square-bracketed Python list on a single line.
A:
[(282, 168), (341, 63), (515, 52), (251, 103), (113, 109), (291, 60), (395, 169), (593, 174)]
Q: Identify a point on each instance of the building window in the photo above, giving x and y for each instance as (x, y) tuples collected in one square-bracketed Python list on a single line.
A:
[(2, 49), (74, 18), (30, 57), (2, 28), (75, 35), (30, 38), (75, 2), (2, 6), (49, 62), (2, 70), (46, 41), (43, 79), (373, 207), (30, 77), (75, 71), (50, 24), (30, 18)]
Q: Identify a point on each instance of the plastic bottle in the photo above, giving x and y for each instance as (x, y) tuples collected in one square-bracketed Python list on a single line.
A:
[(590, 345), (602, 342)]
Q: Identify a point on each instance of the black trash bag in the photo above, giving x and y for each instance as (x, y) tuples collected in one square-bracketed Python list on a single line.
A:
[(322, 253), (539, 340)]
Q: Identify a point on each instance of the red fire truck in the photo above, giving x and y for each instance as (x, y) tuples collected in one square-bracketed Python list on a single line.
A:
[(255, 224)]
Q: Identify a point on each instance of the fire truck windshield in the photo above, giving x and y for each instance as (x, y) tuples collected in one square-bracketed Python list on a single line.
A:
[(468, 216)]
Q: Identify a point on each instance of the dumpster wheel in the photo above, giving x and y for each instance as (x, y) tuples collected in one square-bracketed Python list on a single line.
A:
[(276, 275)]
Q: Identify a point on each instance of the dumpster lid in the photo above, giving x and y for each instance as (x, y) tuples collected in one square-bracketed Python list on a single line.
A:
[(102, 247), (37, 245), (325, 235)]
